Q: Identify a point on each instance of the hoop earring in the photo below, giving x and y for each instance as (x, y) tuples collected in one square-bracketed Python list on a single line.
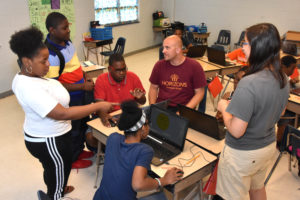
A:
[(28, 71)]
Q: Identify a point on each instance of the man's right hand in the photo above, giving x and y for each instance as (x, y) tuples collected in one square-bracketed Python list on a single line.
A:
[(171, 176)]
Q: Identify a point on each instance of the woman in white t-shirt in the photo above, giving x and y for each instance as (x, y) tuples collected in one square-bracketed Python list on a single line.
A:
[(47, 112)]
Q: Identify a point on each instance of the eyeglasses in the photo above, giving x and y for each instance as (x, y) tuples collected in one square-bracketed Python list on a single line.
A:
[(245, 43), (120, 70)]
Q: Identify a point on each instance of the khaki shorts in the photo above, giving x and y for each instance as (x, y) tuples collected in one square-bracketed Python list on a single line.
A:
[(240, 171)]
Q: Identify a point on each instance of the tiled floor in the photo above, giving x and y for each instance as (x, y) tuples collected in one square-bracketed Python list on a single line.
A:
[(21, 174)]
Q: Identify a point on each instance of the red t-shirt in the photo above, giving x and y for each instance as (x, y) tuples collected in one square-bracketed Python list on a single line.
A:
[(177, 83), (107, 89), (239, 56)]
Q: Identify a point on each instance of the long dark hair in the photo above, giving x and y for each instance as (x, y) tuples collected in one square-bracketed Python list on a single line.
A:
[(265, 45)]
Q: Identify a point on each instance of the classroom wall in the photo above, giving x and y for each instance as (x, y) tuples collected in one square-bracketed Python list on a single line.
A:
[(14, 15), (235, 15)]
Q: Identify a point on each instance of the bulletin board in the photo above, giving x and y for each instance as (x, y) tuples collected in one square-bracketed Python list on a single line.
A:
[(39, 10)]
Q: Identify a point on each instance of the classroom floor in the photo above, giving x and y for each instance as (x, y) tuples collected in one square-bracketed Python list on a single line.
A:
[(21, 174)]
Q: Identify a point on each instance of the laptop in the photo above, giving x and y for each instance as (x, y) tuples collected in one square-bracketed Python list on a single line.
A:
[(196, 51), (167, 134), (296, 91), (203, 123), (217, 56)]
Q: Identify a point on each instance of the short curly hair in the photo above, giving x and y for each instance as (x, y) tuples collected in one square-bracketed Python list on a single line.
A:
[(27, 42), (54, 19)]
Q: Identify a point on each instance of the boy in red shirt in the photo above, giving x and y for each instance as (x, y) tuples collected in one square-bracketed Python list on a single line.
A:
[(118, 85)]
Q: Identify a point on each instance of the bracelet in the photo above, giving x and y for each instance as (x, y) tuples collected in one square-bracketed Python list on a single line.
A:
[(159, 183)]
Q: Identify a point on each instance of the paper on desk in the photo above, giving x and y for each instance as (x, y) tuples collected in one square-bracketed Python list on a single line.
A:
[(88, 63), (92, 68)]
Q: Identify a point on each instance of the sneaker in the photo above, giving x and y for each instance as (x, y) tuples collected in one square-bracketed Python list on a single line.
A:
[(85, 154), (79, 164)]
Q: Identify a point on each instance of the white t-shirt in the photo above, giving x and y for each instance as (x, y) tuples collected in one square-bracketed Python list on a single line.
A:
[(38, 97)]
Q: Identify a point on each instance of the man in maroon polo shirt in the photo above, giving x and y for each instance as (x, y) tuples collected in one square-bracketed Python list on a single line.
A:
[(118, 85), (176, 77)]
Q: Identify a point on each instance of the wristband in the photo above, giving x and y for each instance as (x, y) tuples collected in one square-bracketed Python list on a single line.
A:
[(159, 183)]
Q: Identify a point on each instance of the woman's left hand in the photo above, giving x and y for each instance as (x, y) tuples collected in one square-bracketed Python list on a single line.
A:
[(222, 105)]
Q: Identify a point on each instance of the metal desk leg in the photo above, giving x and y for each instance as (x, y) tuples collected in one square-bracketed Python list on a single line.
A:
[(98, 155), (273, 168), (88, 53), (200, 190), (102, 57), (196, 191)]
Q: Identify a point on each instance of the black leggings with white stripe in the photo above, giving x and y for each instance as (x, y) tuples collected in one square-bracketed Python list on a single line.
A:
[(55, 154)]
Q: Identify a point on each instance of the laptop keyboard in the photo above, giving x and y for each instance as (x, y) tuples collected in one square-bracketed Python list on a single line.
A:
[(159, 150)]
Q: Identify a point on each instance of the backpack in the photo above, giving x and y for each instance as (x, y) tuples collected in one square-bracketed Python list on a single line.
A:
[(157, 15), (59, 54)]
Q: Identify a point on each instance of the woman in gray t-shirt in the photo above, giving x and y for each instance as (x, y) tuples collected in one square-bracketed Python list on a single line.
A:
[(256, 106)]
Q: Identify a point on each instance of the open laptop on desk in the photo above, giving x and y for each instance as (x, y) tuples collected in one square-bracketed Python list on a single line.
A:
[(203, 123), (196, 51), (217, 56), (167, 134)]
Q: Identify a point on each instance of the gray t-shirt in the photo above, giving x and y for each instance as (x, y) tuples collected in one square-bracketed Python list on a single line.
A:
[(259, 101)]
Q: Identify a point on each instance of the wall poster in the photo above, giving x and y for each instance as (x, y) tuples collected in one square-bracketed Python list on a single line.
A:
[(39, 10)]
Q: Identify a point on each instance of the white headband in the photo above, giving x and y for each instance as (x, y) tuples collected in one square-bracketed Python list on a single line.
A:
[(139, 124)]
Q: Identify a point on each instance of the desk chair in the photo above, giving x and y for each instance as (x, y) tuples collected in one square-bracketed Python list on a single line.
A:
[(294, 148), (224, 39), (290, 137), (238, 43), (190, 37), (119, 48)]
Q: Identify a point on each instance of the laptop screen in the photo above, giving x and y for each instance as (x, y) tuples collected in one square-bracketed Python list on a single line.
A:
[(196, 51), (202, 122), (216, 56), (168, 127)]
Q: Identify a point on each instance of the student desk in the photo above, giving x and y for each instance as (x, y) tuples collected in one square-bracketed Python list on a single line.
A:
[(93, 71), (208, 143), (294, 106), (93, 47), (202, 166), (224, 70), (210, 71)]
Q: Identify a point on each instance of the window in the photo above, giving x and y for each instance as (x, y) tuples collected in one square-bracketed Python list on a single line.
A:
[(116, 12)]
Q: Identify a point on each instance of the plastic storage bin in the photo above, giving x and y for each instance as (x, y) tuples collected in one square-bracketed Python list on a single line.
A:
[(101, 33)]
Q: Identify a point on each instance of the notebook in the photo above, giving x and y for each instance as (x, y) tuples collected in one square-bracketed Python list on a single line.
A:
[(203, 123), (196, 51), (217, 56), (167, 134)]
